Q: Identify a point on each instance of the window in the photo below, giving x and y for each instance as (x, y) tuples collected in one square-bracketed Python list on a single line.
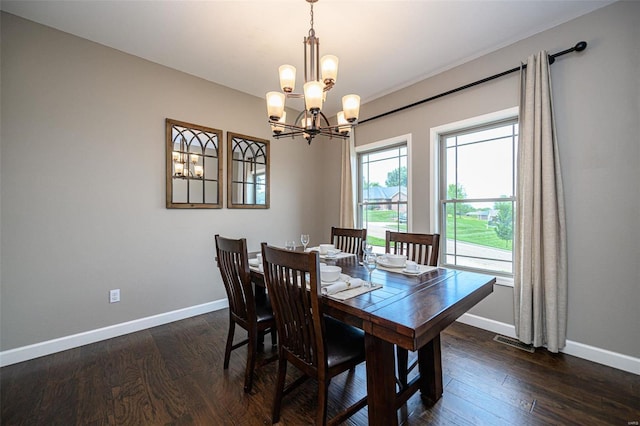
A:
[(383, 190), (477, 196)]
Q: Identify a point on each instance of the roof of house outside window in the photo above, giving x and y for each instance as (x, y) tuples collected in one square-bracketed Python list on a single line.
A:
[(383, 192)]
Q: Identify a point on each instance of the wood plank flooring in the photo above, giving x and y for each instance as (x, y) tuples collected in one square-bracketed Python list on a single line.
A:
[(173, 374)]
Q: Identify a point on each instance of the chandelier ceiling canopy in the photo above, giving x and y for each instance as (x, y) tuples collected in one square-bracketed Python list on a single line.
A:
[(319, 77)]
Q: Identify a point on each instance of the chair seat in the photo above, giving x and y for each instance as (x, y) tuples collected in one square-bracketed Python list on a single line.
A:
[(264, 312), (344, 342)]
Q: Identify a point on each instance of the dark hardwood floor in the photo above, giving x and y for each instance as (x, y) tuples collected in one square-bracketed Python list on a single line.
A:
[(173, 374)]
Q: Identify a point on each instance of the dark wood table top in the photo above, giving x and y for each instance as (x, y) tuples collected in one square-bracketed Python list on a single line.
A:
[(409, 310)]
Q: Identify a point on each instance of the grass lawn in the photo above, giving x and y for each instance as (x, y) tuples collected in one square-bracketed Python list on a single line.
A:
[(476, 231), (470, 230), (381, 215)]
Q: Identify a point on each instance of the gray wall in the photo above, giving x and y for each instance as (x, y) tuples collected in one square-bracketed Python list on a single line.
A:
[(83, 187), (82, 177), (596, 98)]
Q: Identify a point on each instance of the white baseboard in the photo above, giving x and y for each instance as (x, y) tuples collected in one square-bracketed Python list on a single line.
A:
[(48, 347), (580, 350), (25, 353)]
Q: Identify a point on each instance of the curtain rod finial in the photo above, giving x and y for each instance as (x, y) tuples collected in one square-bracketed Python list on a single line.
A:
[(580, 46)]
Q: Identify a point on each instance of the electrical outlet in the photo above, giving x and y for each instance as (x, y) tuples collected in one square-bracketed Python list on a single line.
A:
[(114, 295)]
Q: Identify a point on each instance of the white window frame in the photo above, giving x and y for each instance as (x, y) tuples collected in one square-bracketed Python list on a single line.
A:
[(380, 145), (434, 154)]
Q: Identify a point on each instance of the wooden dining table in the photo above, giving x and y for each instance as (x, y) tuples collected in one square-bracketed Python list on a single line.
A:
[(408, 311)]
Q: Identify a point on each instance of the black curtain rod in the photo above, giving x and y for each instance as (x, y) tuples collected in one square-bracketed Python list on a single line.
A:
[(579, 47)]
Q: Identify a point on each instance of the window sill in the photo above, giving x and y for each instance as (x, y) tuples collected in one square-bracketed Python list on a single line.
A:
[(504, 281), (500, 279)]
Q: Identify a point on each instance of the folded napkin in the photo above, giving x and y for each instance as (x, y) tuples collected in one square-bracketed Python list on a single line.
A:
[(255, 265), (345, 282)]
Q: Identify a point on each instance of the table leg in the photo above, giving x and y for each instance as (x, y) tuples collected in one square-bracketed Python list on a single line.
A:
[(259, 294), (381, 383), (430, 365)]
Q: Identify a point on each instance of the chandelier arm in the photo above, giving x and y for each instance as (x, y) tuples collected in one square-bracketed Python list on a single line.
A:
[(294, 130), (325, 119)]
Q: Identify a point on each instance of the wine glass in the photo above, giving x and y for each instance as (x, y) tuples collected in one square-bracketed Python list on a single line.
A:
[(304, 239), (370, 262), (366, 247)]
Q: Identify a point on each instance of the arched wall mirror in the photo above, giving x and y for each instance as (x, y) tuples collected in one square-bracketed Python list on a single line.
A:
[(247, 172), (194, 166)]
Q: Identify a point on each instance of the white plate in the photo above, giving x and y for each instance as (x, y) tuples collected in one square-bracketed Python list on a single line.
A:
[(387, 265), (416, 272), (331, 256), (253, 262)]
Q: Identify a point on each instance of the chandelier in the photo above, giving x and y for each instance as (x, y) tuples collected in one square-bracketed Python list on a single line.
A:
[(319, 78)]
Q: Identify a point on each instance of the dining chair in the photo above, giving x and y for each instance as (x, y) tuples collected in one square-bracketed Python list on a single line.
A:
[(422, 249), (253, 314), (349, 240), (321, 347)]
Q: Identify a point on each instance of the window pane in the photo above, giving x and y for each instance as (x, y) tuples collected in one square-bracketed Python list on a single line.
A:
[(483, 135), (480, 234), (453, 190), (485, 169), (479, 165), (383, 197)]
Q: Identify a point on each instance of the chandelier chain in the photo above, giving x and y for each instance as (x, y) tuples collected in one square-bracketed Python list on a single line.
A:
[(311, 13)]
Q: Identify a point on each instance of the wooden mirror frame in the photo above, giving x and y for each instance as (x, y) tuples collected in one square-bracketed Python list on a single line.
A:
[(200, 153), (249, 150)]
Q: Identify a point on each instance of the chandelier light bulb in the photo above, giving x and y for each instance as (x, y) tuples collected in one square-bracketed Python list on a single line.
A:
[(313, 91), (287, 78), (329, 67), (343, 124), (351, 107), (279, 126), (306, 122), (275, 105)]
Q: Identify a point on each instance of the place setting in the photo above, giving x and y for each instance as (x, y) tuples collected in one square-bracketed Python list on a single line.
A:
[(256, 263), (329, 252), (399, 263), (341, 286)]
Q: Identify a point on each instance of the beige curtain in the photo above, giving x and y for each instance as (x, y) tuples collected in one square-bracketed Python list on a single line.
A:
[(540, 282), (348, 183)]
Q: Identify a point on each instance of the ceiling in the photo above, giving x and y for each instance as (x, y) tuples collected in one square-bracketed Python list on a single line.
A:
[(382, 45)]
